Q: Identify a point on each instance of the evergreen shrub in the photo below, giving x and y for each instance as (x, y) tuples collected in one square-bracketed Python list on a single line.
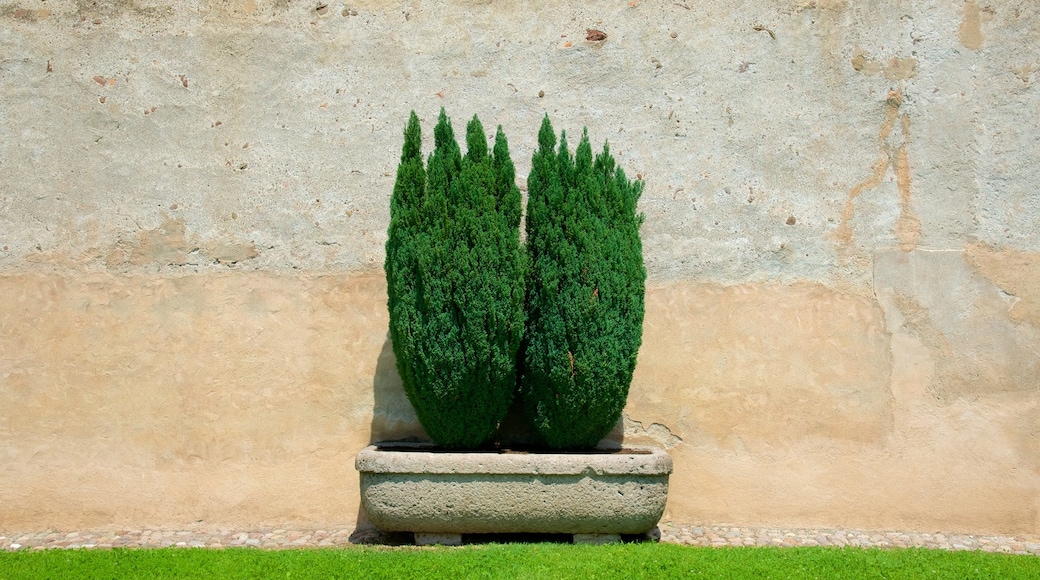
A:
[(455, 281), (585, 292)]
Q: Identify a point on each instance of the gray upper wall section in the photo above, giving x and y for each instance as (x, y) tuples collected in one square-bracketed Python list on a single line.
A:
[(779, 139)]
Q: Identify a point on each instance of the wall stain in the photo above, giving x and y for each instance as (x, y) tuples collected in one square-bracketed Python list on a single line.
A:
[(908, 226)]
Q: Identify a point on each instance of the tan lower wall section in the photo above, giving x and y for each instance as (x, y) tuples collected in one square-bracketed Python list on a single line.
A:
[(236, 399), (240, 400)]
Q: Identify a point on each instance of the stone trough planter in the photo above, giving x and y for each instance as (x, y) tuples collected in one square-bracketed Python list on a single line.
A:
[(441, 495)]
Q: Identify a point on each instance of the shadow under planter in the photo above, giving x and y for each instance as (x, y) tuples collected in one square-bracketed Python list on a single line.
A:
[(440, 495)]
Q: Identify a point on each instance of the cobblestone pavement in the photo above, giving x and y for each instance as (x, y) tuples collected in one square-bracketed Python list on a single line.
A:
[(695, 535)]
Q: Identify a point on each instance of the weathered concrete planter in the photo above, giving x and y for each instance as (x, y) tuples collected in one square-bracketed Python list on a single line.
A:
[(427, 491)]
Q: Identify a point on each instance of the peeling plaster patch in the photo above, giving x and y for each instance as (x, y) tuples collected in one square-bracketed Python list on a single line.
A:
[(656, 431), (169, 245), (166, 244), (970, 31), (860, 63), (962, 318), (897, 69), (232, 252), (763, 365), (1016, 273), (900, 69), (918, 322)]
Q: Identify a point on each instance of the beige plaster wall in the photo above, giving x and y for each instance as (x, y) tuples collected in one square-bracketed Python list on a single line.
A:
[(801, 404), (231, 399), (842, 235), (240, 400)]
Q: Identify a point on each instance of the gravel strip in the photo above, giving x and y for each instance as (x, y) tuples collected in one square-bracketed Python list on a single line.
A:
[(693, 535), (719, 536)]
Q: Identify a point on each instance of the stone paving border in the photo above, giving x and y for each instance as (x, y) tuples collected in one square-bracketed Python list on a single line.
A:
[(719, 536), (695, 535)]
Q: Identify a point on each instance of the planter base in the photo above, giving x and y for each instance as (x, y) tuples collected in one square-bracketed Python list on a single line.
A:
[(597, 538), (422, 539), (431, 492)]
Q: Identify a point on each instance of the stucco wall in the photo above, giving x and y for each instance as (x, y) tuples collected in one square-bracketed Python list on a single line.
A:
[(842, 236)]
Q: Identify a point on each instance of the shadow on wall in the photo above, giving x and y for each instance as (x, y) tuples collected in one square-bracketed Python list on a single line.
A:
[(393, 418)]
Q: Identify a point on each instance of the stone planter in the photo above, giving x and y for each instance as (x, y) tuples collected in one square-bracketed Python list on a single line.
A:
[(420, 489)]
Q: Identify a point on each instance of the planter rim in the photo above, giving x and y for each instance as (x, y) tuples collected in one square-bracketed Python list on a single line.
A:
[(423, 460)]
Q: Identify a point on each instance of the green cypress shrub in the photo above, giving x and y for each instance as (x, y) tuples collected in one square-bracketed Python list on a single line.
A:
[(584, 292), (455, 281)]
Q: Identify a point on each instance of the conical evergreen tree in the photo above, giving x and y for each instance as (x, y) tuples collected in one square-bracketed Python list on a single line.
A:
[(406, 227), (585, 292), (455, 275)]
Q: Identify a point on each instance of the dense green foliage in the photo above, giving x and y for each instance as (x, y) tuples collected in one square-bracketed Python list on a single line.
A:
[(624, 561), (455, 281), (584, 292)]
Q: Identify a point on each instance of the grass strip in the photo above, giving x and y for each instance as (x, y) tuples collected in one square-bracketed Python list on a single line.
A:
[(627, 561)]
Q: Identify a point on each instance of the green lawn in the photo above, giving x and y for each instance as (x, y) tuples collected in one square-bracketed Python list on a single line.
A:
[(628, 561)]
